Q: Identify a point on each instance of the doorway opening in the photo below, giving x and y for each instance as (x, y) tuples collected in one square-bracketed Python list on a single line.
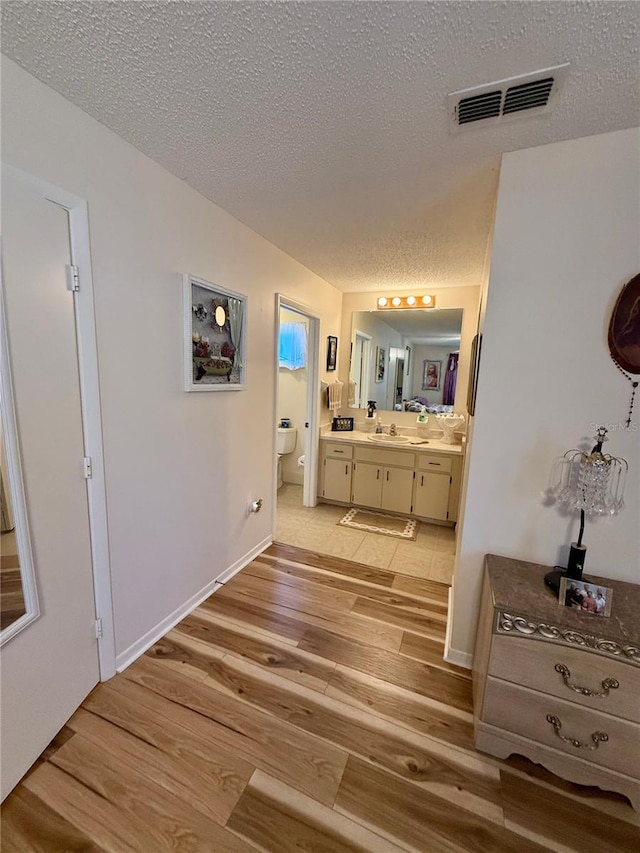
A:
[(296, 404)]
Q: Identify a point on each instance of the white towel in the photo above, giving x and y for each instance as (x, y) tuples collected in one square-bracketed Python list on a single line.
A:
[(335, 395)]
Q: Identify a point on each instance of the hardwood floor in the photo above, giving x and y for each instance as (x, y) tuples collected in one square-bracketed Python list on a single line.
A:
[(303, 707)]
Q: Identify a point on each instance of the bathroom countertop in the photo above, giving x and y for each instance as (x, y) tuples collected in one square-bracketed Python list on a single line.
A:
[(415, 443)]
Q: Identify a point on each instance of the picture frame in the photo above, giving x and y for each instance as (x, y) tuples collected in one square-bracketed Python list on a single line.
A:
[(585, 596), (332, 352), (215, 336), (381, 361), (431, 375)]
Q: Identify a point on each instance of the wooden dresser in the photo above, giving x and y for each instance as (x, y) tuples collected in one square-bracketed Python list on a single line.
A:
[(556, 685)]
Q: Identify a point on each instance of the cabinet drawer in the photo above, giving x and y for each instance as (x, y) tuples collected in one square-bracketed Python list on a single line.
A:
[(525, 712), (434, 462), (385, 457), (531, 663), (342, 451)]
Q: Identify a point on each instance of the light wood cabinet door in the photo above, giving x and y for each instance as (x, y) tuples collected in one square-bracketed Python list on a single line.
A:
[(397, 489), (431, 497), (367, 484), (337, 480)]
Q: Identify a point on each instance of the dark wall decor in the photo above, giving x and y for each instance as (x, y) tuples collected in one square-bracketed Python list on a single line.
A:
[(624, 335), (332, 352)]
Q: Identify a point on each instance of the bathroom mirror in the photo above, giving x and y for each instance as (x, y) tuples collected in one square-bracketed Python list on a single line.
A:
[(18, 599), (421, 353)]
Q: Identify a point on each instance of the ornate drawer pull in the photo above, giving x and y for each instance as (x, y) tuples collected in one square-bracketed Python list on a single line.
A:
[(596, 737), (607, 683)]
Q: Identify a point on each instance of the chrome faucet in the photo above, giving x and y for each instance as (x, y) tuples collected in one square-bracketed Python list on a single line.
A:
[(393, 430)]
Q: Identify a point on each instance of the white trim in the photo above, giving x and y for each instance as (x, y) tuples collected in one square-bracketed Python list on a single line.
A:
[(128, 656), (311, 439), (16, 485), (458, 658), (245, 560), (454, 656), (90, 403)]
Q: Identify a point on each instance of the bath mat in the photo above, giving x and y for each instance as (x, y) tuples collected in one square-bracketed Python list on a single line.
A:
[(378, 522)]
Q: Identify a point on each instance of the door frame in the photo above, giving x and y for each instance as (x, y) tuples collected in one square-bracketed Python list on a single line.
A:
[(365, 355), (87, 347), (311, 439)]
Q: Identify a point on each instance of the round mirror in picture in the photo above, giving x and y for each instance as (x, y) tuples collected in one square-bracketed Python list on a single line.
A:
[(624, 336)]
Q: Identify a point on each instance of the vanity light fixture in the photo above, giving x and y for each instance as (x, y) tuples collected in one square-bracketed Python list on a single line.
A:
[(386, 303)]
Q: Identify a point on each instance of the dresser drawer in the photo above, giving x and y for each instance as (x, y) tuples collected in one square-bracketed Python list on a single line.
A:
[(532, 715), (434, 462), (341, 451), (532, 663)]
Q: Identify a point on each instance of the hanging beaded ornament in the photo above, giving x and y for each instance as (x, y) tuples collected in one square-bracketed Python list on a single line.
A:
[(624, 336)]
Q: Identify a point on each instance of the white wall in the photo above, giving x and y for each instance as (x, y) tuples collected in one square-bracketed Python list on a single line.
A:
[(292, 404), (566, 240), (180, 468)]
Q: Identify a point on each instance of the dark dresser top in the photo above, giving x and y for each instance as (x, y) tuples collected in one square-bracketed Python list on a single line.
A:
[(518, 587)]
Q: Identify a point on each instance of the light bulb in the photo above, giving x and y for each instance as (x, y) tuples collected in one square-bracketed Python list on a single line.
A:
[(426, 300), (382, 301), (396, 301), (411, 300)]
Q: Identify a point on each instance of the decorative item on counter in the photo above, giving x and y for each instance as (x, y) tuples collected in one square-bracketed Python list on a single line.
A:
[(371, 407), (592, 483), (423, 417), (449, 423), (587, 597), (624, 336), (342, 425)]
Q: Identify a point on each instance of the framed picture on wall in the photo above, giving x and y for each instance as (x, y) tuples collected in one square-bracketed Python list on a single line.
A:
[(332, 352), (215, 322), (431, 374), (381, 360)]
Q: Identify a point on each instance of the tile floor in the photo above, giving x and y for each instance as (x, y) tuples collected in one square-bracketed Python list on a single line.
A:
[(316, 528)]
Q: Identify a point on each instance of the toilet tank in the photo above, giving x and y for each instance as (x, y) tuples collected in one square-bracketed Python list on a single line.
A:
[(286, 440)]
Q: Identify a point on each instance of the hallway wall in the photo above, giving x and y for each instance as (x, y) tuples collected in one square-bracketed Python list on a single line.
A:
[(180, 468)]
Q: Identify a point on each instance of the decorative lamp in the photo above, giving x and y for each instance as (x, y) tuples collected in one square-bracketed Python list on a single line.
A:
[(592, 483)]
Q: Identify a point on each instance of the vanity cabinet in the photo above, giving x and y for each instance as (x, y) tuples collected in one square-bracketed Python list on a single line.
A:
[(431, 495), (555, 684), (432, 491), (423, 484), (336, 474), (382, 487)]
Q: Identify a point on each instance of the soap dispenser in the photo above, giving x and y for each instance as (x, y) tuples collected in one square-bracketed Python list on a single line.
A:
[(371, 407), (379, 429)]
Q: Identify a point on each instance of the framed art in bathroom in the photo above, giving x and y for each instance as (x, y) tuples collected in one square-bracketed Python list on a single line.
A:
[(215, 322), (332, 352)]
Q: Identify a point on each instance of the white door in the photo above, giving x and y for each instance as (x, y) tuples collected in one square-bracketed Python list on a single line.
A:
[(366, 488), (337, 480), (397, 486), (431, 499), (50, 666)]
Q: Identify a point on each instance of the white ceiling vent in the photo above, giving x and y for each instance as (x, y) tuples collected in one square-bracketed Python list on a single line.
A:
[(493, 103)]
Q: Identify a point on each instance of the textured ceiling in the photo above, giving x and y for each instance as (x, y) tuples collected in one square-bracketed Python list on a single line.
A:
[(323, 125)]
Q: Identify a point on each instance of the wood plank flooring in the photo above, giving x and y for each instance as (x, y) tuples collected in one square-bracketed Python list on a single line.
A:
[(305, 706)]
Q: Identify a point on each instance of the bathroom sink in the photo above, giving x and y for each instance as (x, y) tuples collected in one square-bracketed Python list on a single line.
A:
[(390, 439)]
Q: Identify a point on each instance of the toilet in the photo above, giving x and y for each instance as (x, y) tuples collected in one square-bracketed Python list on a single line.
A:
[(286, 444)]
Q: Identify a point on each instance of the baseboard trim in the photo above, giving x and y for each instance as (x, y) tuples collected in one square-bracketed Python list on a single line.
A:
[(454, 656), (128, 656), (244, 561), (458, 658)]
